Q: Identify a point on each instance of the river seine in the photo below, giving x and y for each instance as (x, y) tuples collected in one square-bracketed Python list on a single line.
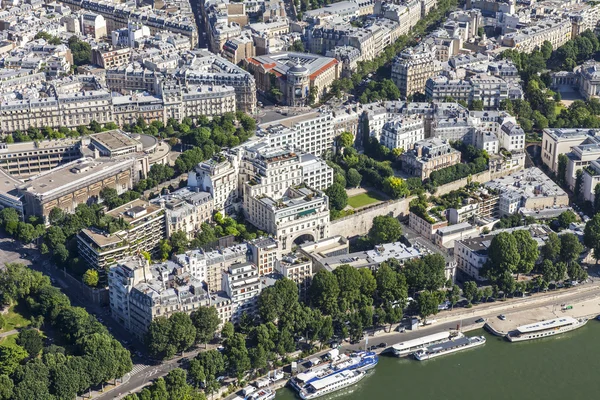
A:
[(562, 367)]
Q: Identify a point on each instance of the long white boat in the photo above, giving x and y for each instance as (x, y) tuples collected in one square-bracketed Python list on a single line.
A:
[(451, 346), (331, 384), (546, 328), (262, 394), (410, 346)]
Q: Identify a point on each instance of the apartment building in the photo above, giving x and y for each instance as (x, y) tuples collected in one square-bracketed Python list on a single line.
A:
[(530, 189), (119, 15), (591, 178), (143, 228), (402, 132), (299, 215), (556, 141), (413, 67), (219, 177), (491, 90), (186, 210), (429, 155), (297, 75), (218, 261), (311, 133), (29, 158), (316, 174), (426, 225), (70, 110), (297, 267), (242, 284), (511, 137), (264, 254), (557, 31), (139, 292)]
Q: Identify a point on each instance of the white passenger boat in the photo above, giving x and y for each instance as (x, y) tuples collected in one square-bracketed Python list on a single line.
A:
[(331, 384), (262, 394), (410, 346), (451, 346), (546, 328)]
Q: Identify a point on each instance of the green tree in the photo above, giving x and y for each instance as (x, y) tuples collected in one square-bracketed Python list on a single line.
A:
[(31, 340), (353, 178), (90, 277), (503, 254), (549, 271), (6, 387), (182, 333), (324, 292), (391, 286), (597, 198), (346, 139), (179, 242), (561, 174), (477, 105), (338, 198), (454, 295), (236, 354), (470, 290), (206, 321), (10, 358), (395, 187), (570, 248), (551, 249), (385, 229), (427, 304), (528, 250), (566, 218), (591, 235), (158, 338)]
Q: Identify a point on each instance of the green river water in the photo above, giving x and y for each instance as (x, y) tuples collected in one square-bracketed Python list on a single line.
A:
[(562, 367)]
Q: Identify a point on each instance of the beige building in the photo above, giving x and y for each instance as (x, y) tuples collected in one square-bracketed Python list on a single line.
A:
[(298, 76), (264, 254), (413, 67), (139, 293), (556, 141), (112, 58), (29, 158), (93, 25), (427, 156), (296, 267), (426, 225), (144, 229), (186, 210)]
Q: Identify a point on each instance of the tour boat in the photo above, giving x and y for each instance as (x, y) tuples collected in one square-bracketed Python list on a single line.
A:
[(359, 361), (332, 383), (410, 346), (262, 394), (546, 328), (451, 346)]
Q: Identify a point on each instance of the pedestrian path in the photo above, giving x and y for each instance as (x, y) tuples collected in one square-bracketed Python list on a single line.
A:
[(137, 368)]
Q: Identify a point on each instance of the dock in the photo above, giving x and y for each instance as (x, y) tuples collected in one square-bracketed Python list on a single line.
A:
[(589, 308)]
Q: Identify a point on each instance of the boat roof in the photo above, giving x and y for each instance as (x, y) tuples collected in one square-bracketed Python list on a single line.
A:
[(548, 324), (311, 373), (339, 376), (448, 345), (422, 340)]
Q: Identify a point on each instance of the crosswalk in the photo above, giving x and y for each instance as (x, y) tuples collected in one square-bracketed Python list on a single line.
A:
[(137, 368)]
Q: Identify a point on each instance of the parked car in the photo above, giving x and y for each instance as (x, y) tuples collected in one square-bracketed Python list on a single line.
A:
[(479, 321), (502, 317), (382, 345)]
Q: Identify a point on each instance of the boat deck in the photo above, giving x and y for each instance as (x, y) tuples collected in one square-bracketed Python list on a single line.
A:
[(448, 345)]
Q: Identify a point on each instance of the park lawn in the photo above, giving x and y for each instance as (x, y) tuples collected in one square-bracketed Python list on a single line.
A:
[(13, 320), (364, 199), (9, 341)]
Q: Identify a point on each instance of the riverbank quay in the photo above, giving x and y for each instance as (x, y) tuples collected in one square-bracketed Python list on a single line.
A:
[(583, 308)]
